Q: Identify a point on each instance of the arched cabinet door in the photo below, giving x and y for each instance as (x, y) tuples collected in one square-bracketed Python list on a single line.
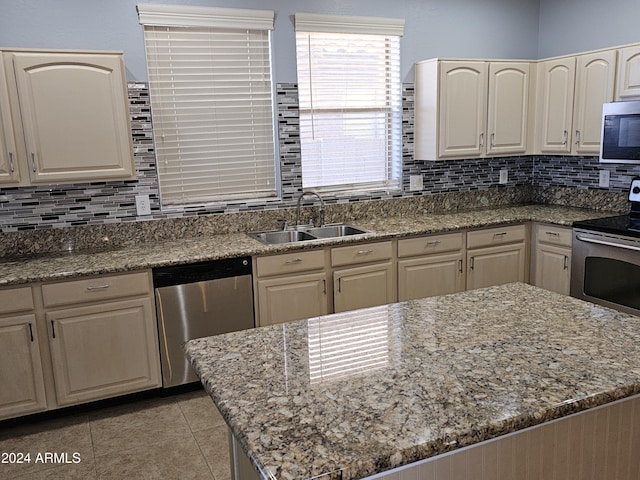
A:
[(595, 82), (75, 116), (557, 79), (628, 74), (508, 108), (463, 109)]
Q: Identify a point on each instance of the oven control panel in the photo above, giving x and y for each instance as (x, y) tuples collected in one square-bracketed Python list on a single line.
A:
[(634, 190)]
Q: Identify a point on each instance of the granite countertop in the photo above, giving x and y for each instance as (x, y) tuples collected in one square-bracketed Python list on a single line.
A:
[(357, 393), (15, 271)]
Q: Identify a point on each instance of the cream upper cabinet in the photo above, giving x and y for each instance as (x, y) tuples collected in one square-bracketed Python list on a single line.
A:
[(70, 111), (462, 99), (9, 173), (572, 91), (595, 83), (628, 87), (508, 107), (470, 108), (556, 79)]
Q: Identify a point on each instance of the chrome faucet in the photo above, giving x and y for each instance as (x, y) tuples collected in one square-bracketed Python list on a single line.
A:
[(320, 211)]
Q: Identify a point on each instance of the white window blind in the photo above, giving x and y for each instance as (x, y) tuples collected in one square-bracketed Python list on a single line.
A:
[(212, 102), (350, 102)]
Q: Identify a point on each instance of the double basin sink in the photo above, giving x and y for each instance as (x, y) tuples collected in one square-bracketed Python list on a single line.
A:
[(303, 233)]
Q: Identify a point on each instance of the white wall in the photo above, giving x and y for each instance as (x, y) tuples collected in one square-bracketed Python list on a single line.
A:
[(571, 26), (454, 28)]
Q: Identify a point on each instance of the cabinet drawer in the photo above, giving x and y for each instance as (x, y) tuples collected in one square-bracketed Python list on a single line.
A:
[(97, 288), (496, 236), (369, 252), (16, 300), (290, 263), (431, 244), (553, 235)]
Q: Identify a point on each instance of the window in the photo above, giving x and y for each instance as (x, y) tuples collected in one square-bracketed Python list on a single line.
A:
[(211, 101), (350, 102)]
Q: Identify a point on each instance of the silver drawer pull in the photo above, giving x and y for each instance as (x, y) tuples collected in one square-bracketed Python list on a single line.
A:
[(433, 243), (499, 235), (98, 287), (553, 234), (364, 252), (295, 260)]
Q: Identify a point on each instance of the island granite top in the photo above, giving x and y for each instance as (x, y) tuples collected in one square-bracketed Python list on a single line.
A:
[(357, 393)]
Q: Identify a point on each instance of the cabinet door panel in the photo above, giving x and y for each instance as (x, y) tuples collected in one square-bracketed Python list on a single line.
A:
[(21, 380), (9, 172), (462, 109), (557, 80), (362, 287), (292, 298), (429, 276), (629, 74), (553, 266), (595, 83), (75, 116), (103, 350), (495, 265), (508, 106)]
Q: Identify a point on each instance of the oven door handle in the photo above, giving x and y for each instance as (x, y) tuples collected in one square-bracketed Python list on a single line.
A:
[(608, 244)]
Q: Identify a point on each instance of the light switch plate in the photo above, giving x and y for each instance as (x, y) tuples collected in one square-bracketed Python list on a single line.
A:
[(604, 178), (143, 205), (504, 176), (415, 183)]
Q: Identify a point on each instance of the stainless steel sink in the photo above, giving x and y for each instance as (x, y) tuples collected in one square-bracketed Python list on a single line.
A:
[(332, 231), (283, 236), (303, 233)]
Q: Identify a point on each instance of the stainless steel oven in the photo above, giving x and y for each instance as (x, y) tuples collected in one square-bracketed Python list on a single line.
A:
[(605, 264), (606, 269)]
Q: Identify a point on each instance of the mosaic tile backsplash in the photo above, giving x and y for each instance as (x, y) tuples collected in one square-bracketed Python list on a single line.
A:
[(28, 208)]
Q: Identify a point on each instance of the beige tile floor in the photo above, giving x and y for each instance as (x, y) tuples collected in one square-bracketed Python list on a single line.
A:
[(178, 437)]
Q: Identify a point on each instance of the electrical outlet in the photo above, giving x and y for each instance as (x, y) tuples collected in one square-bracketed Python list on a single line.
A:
[(504, 176), (415, 183), (604, 178), (143, 205)]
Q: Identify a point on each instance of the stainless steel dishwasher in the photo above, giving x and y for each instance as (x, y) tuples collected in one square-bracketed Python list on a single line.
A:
[(199, 300)]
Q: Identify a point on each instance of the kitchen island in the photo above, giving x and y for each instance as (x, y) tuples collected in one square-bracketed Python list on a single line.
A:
[(354, 394)]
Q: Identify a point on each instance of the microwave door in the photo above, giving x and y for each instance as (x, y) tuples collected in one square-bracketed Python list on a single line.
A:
[(620, 139)]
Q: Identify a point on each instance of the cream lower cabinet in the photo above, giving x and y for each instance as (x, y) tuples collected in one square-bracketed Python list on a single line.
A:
[(429, 266), (551, 258), (290, 287), (496, 256), (22, 388), (102, 337), (364, 275)]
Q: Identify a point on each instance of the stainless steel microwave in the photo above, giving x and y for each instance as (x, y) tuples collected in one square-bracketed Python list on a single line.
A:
[(620, 142)]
